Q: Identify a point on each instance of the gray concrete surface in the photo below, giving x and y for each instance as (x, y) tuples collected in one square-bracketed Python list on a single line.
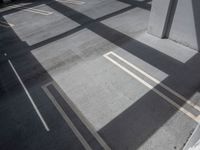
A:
[(67, 48), (185, 26), (193, 142), (160, 13)]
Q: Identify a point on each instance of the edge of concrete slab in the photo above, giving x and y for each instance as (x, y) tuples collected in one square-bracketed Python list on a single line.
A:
[(195, 137)]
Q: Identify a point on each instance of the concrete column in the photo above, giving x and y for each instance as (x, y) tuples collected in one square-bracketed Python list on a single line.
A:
[(185, 27), (159, 17), (178, 20)]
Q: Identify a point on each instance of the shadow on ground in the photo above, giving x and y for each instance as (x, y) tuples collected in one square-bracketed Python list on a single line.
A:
[(140, 121)]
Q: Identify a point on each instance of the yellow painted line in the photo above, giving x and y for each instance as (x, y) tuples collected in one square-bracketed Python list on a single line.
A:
[(156, 81), (6, 25), (33, 10), (189, 114)]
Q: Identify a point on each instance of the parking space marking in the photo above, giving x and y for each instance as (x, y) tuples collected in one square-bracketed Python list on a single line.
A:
[(29, 96), (67, 119), (32, 10), (156, 81), (77, 112), (6, 24), (189, 114)]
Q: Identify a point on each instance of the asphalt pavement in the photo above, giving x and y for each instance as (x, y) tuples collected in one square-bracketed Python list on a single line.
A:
[(85, 75)]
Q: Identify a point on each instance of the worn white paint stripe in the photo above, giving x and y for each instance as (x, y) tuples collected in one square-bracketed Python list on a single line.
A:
[(29, 96), (189, 114), (44, 11), (6, 25), (33, 10), (67, 120), (156, 81), (82, 118), (38, 12), (75, 2)]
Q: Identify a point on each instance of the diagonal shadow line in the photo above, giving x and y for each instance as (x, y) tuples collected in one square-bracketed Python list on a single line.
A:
[(142, 4), (138, 123), (56, 38), (146, 53), (115, 13), (34, 77), (40, 44), (74, 30), (132, 112), (122, 40), (30, 73), (186, 81), (87, 25), (13, 10)]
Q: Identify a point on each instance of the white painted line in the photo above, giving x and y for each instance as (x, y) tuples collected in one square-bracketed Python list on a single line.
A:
[(6, 25), (75, 2), (82, 118), (156, 81), (29, 96), (33, 10), (198, 118), (67, 120), (189, 114), (42, 12)]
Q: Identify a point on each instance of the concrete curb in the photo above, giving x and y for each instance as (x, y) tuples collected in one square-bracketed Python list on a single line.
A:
[(194, 141)]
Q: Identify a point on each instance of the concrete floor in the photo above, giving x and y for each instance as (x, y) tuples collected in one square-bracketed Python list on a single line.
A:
[(131, 98)]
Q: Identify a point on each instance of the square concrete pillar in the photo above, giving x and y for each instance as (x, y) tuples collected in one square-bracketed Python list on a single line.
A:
[(159, 17), (185, 28)]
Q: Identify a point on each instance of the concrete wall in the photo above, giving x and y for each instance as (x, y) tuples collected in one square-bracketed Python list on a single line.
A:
[(185, 27)]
